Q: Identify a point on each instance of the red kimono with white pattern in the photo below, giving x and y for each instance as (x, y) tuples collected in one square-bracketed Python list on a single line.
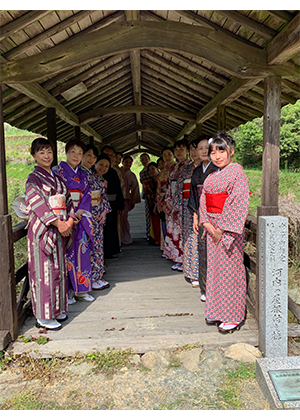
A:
[(226, 285)]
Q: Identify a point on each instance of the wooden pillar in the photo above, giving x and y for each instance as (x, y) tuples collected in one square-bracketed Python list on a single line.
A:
[(198, 130), (77, 132), (51, 131), (91, 140), (221, 117), (270, 161), (8, 304)]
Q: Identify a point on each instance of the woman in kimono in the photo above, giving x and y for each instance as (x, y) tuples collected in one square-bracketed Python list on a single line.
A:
[(189, 237), (162, 186), (173, 240), (144, 176), (79, 256), (50, 220), (198, 177), (224, 207), (100, 206), (150, 188), (116, 202), (134, 198)]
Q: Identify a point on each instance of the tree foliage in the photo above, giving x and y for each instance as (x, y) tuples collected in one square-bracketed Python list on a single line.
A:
[(249, 140)]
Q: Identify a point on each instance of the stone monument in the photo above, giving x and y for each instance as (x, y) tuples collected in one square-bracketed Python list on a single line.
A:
[(277, 374)]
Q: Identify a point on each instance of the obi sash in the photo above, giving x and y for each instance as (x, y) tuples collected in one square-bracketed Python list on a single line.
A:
[(215, 202), (96, 197), (186, 188), (58, 204), (76, 196)]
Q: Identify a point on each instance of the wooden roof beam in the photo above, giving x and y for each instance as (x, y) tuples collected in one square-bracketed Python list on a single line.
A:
[(235, 88), (135, 129), (221, 50), (101, 112), (285, 44), (18, 24)]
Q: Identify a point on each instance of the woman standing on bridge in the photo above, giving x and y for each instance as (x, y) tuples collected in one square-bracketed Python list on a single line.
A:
[(78, 257), (100, 206), (51, 214), (224, 207)]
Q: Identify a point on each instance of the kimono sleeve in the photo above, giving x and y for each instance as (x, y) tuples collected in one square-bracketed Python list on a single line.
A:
[(135, 191), (38, 202), (203, 216), (86, 201), (193, 204), (235, 210)]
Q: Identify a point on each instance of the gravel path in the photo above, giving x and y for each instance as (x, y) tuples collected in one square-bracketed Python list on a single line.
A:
[(189, 379)]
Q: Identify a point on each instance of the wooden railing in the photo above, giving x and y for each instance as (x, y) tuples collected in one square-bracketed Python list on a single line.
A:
[(23, 303)]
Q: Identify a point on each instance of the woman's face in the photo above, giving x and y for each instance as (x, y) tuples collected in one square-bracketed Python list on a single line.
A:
[(102, 166), (111, 154), (194, 153), (127, 164), (145, 160), (161, 165), (168, 157), (74, 156), (89, 159), (180, 153), (44, 158), (153, 171), (221, 158), (203, 150)]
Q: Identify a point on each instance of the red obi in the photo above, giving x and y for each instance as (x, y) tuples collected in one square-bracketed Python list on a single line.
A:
[(215, 202), (186, 188)]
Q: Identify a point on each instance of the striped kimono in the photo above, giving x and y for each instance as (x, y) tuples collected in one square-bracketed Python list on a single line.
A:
[(226, 284), (46, 247)]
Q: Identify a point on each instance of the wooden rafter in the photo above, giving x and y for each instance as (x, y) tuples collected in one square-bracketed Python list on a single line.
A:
[(134, 129), (229, 54)]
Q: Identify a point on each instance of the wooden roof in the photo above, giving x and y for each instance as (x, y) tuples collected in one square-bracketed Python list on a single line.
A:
[(143, 79)]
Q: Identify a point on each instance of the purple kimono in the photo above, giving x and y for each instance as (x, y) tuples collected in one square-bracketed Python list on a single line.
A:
[(46, 247), (78, 257)]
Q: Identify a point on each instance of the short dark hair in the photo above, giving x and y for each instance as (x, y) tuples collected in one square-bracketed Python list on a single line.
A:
[(167, 148), (183, 142), (107, 146), (93, 148), (145, 154), (127, 157), (152, 164), (102, 156), (196, 141), (222, 140), (160, 159), (74, 142), (39, 144)]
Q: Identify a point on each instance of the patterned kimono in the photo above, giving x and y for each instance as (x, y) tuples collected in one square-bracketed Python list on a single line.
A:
[(150, 188), (226, 275), (198, 177), (79, 256), (173, 241), (189, 238), (145, 176), (47, 199), (162, 186), (100, 204), (133, 199), (126, 195)]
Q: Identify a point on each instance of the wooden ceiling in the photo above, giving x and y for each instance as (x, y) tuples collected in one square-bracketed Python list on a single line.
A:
[(140, 80)]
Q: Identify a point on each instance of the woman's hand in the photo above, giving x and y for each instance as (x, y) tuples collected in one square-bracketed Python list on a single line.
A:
[(217, 236), (196, 223), (79, 213), (210, 229), (63, 228), (102, 218)]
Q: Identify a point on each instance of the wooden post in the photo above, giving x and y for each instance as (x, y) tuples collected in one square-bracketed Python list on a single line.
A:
[(91, 140), (270, 162), (77, 132), (198, 130), (51, 131), (221, 117), (8, 304)]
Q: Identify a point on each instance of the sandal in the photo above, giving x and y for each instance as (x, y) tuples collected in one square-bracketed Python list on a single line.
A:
[(229, 327), (211, 321)]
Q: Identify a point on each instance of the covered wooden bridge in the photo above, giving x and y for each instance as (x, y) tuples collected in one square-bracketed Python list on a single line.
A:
[(140, 80)]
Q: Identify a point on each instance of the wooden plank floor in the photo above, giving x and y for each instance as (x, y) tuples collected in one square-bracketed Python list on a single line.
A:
[(141, 310)]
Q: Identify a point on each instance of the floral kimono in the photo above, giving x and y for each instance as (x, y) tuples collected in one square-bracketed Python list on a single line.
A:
[(79, 256), (100, 204), (173, 249), (224, 203), (47, 199)]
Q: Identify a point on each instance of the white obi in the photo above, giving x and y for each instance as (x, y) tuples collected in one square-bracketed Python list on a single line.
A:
[(58, 204), (76, 197)]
